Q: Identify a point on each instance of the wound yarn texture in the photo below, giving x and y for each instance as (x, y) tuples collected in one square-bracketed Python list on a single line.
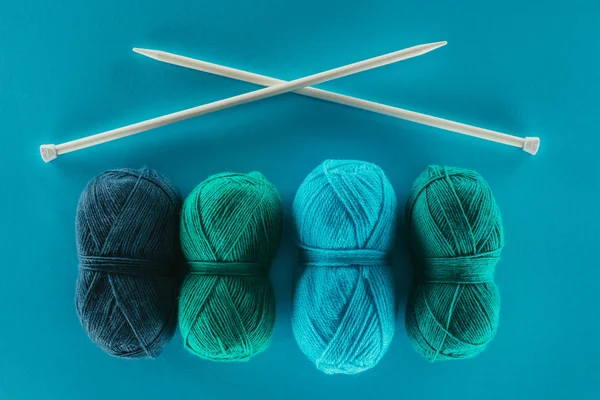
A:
[(230, 233), (344, 303), (126, 225), (455, 235)]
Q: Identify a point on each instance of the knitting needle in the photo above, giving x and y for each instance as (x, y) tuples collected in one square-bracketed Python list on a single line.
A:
[(528, 144), (50, 152)]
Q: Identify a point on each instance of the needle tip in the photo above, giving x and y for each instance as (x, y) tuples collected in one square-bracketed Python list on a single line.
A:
[(426, 48), (146, 52)]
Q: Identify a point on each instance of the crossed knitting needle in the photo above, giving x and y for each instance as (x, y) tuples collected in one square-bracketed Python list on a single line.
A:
[(275, 87), (50, 151), (528, 144)]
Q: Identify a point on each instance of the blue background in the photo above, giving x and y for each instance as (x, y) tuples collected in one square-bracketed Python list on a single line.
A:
[(523, 67)]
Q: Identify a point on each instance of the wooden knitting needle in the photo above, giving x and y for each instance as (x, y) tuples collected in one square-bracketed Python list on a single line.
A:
[(528, 144), (50, 151)]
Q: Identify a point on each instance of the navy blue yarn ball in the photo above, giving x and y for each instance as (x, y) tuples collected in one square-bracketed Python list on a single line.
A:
[(127, 230)]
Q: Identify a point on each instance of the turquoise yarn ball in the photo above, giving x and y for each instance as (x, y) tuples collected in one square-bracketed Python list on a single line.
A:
[(455, 235), (344, 303)]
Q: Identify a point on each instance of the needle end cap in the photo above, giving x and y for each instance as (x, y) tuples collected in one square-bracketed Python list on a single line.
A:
[(48, 152), (532, 144)]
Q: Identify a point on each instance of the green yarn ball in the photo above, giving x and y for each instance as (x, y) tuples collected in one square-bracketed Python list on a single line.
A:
[(455, 235), (230, 233)]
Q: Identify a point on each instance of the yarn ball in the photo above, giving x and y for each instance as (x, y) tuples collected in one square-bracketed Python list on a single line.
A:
[(455, 235), (127, 223), (230, 233), (344, 302)]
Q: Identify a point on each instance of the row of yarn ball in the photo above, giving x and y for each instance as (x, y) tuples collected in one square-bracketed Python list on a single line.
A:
[(131, 226)]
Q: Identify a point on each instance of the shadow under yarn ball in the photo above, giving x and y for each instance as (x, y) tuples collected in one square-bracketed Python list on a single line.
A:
[(343, 313), (230, 233), (455, 235), (127, 223)]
